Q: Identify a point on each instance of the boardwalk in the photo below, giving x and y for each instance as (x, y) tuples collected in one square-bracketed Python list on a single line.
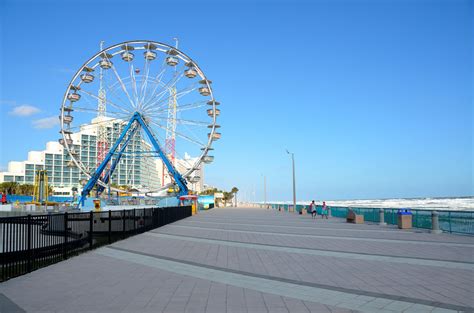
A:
[(254, 260)]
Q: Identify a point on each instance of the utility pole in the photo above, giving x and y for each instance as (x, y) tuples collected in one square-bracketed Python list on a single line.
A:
[(294, 179), (264, 190)]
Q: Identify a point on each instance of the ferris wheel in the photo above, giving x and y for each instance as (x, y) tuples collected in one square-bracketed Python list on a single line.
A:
[(150, 115)]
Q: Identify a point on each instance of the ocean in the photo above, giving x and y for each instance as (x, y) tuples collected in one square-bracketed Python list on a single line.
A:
[(447, 203)]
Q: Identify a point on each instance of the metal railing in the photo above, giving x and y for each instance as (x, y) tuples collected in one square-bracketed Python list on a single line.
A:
[(33, 241), (460, 222)]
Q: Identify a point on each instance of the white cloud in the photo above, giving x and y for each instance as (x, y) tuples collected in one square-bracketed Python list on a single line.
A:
[(47, 122), (24, 110)]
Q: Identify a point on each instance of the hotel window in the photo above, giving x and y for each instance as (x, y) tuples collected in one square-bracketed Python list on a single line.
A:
[(19, 178), (8, 178)]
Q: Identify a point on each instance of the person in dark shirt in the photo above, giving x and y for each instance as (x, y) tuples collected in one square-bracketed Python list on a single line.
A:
[(312, 208)]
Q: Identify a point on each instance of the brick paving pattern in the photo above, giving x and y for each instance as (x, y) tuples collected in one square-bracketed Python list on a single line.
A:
[(256, 260)]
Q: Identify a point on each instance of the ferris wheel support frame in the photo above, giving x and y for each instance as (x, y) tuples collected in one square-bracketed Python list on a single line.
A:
[(136, 118), (109, 173)]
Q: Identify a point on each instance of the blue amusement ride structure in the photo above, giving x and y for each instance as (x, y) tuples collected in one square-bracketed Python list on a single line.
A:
[(149, 123)]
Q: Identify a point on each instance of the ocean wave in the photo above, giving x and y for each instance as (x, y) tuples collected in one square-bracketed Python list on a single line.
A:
[(455, 204)]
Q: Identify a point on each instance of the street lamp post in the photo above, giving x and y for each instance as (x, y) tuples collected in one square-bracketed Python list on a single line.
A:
[(294, 179), (265, 191)]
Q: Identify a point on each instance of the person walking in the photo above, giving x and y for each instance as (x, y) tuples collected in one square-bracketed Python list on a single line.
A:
[(324, 211), (312, 208)]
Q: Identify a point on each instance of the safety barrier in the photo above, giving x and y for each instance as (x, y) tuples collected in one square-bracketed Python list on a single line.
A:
[(34, 241), (461, 222)]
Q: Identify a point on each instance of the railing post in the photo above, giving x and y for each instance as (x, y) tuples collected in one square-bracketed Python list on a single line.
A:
[(3, 223), (435, 223), (29, 244), (449, 219), (382, 217), (65, 235), (91, 228), (123, 223), (110, 226), (134, 221)]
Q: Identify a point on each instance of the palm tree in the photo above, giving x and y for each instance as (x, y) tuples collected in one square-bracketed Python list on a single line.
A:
[(25, 189), (9, 187), (227, 196), (234, 192)]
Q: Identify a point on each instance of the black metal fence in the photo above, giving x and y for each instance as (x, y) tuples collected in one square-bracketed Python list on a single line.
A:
[(33, 241)]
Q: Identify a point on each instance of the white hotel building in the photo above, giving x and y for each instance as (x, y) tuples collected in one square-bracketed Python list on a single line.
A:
[(138, 173)]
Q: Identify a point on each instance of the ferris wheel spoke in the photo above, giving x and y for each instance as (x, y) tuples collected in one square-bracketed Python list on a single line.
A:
[(182, 107), (179, 94), (107, 101), (114, 85), (160, 75), (185, 92), (183, 121), (190, 131), (147, 95), (201, 145), (192, 122), (124, 88), (144, 81), (90, 103), (78, 127), (167, 87), (134, 82), (190, 106), (177, 154), (157, 80), (89, 110)]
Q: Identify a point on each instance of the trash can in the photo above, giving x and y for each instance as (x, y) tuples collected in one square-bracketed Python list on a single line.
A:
[(96, 205), (404, 219)]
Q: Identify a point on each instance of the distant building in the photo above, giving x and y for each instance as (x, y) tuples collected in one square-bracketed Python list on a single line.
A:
[(138, 173)]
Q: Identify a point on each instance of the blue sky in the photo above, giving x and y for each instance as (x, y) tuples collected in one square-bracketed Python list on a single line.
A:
[(373, 97)]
